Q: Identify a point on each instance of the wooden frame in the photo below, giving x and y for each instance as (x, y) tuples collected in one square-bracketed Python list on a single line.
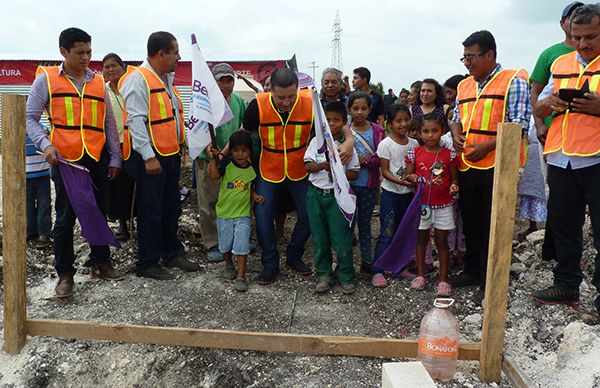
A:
[(17, 326)]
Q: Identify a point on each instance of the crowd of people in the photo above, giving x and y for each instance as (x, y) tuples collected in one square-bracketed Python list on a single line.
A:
[(128, 129)]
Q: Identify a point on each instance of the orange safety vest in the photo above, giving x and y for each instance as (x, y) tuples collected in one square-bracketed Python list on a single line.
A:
[(577, 134), (480, 114), (284, 143), (76, 119), (162, 125)]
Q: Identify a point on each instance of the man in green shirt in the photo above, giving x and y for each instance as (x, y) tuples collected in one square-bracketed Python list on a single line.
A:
[(208, 190), (541, 72)]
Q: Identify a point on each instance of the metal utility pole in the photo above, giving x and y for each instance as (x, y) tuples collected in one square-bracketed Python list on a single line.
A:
[(336, 44), (313, 66)]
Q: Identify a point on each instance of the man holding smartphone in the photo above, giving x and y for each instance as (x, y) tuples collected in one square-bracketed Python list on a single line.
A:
[(573, 155)]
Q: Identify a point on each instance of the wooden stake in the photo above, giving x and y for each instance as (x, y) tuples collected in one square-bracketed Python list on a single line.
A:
[(504, 198), (13, 208), (226, 339)]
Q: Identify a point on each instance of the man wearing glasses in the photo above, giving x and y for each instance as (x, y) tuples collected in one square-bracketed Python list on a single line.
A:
[(491, 95)]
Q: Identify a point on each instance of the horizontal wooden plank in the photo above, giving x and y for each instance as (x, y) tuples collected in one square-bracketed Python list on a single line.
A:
[(515, 374), (226, 339)]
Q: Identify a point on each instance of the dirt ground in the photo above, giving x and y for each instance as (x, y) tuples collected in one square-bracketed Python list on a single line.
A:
[(205, 300)]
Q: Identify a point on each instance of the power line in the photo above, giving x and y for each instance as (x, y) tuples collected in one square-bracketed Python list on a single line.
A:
[(336, 43)]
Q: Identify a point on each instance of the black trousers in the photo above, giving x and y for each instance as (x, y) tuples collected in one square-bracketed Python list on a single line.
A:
[(570, 192), (476, 209)]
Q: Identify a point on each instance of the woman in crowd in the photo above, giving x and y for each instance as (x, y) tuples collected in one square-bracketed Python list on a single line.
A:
[(121, 189)]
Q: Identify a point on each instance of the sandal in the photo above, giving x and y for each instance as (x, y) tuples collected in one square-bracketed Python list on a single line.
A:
[(444, 288), (418, 283)]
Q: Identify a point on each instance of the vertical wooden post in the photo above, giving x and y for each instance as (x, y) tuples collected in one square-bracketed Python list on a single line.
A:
[(13, 209), (504, 199)]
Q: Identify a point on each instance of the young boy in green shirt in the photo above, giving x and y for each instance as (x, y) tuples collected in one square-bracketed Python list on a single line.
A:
[(233, 205), (328, 226)]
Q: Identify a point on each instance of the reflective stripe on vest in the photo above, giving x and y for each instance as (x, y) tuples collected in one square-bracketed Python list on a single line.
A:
[(577, 134), (76, 119), (162, 123), (481, 112), (284, 143)]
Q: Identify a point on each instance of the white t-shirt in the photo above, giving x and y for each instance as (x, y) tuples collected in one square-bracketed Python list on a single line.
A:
[(321, 178), (446, 141), (396, 154)]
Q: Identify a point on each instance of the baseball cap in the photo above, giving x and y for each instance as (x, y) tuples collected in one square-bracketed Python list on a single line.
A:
[(569, 9), (221, 70)]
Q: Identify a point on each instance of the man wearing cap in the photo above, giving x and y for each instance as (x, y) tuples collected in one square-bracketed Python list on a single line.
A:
[(208, 189), (572, 150), (539, 78)]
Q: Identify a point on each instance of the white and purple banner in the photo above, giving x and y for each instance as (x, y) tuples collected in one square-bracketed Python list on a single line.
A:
[(208, 106), (346, 200)]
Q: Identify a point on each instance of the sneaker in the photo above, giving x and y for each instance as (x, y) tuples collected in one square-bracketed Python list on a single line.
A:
[(240, 285), (378, 280), (479, 297), (366, 268), (184, 193), (348, 288), (253, 246), (464, 279), (229, 273), (299, 268), (214, 255), (43, 242), (322, 286), (556, 295), (267, 276)]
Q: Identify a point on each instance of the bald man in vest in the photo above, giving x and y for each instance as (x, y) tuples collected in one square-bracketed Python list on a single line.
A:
[(572, 151), (491, 95), (283, 121), (152, 152), (66, 93)]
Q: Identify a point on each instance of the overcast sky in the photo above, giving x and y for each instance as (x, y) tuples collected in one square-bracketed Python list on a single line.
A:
[(399, 41)]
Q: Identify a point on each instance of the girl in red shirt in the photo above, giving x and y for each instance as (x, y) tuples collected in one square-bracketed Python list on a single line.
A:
[(437, 167)]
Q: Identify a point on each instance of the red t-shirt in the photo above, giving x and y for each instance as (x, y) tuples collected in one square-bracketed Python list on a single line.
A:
[(435, 168)]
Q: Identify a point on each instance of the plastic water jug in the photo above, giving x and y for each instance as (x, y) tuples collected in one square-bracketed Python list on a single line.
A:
[(438, 341)]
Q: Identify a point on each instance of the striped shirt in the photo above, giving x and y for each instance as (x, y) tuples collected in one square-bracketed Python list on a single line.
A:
[(35, 165)]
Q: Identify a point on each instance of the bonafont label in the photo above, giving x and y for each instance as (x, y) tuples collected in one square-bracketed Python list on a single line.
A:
[(444, 347)]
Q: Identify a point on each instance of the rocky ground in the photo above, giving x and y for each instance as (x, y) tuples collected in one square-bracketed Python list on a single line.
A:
[(555, 345)]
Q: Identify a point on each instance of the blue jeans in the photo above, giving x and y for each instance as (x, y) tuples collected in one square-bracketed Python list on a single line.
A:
[(392, 209), (234, 235), (64, 256), (365, 203), (265, 226), (158, 210), (39, 211)]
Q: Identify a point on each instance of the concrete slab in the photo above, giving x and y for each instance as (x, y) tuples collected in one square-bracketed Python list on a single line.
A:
[(405, 375)]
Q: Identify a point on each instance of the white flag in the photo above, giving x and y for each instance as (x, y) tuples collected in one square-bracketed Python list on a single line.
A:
[(208, 105), (344, 197)]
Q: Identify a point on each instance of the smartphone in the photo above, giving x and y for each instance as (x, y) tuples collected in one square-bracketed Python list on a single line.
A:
[(568, 94)]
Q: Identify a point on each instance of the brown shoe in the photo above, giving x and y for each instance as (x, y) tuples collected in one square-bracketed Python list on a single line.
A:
[(155, 272), (184, 264), (106, 271), (64, 287)]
